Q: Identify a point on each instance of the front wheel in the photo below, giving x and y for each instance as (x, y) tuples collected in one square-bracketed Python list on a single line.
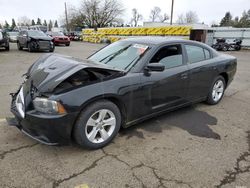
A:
[(97, 124), (19, 46), (30, 49), (216, 91)]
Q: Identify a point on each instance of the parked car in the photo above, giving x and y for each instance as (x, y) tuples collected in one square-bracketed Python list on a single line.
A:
[(34, 40), (13, 36), (4, 40), (59, 38), (64, 98), (75, 36)]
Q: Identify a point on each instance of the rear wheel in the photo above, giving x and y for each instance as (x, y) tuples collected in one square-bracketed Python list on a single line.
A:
[(97, 125), (67, 44), (216, 91), (7, 48)]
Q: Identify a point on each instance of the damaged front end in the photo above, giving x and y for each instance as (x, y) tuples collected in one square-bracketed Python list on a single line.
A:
[(37, 106)]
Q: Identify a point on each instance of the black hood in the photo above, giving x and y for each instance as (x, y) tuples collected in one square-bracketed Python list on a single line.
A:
[(50, 70)]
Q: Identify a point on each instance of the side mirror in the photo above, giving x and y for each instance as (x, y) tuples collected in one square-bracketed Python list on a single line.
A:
[(158, 67)]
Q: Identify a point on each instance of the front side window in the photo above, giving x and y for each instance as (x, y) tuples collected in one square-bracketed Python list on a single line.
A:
[(169, 56), (122, 55)]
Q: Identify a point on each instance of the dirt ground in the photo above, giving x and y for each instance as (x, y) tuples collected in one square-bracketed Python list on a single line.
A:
[(197, 146)]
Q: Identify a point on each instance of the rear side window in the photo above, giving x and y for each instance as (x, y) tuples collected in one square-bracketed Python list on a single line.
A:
[(196, 53), (169, 56)]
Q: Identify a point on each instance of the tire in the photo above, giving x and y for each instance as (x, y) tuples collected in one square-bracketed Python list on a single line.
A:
[(30, 49), (7, 48), (67, 44), (225, 48), (216, 91), (19, 46), (90, 130), (52, 49)]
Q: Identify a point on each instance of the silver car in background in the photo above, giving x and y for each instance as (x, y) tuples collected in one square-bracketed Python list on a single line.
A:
[(13, 36)]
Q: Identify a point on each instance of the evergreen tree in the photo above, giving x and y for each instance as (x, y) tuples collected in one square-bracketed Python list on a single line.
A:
[(13, 25), (33, 22), (227, 20), (45, 23), (38, 21), (6, 25), (245, 19), (56, 24), (50, 25)]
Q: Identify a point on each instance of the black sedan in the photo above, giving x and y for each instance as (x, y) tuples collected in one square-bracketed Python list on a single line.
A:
[(63, 98), (4, 40), (34, 40)]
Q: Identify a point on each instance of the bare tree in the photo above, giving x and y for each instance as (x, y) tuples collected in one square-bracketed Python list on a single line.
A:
[(135, 16), (181, 19), (190, 17), (99, 13), (164, 17), (155, 13), (23, 21)]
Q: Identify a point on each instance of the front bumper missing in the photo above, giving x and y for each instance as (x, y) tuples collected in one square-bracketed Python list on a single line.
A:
[(47, 129)]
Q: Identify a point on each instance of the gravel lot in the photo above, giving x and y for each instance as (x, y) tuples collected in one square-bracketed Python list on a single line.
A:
[(197, 146)]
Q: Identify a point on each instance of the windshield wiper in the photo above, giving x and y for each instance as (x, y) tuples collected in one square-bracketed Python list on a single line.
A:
[(112, 56)]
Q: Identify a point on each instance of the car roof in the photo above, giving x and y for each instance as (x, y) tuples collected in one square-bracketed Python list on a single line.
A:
[(157, 40)]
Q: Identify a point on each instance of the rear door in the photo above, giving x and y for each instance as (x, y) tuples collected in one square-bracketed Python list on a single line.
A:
[(201, 71)]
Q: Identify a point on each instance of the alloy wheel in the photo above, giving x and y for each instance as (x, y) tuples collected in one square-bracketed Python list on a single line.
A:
[(100, 126), (218, 90)]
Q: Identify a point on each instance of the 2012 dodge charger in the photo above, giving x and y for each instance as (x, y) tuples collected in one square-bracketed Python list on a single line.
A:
[(63, 98)]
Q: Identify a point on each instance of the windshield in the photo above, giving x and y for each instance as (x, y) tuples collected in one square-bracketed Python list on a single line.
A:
[(122, 55), (56, 34), (36, 34), (13, 33)]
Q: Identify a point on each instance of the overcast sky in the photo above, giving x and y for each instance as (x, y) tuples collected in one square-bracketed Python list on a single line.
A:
[(208, 11)]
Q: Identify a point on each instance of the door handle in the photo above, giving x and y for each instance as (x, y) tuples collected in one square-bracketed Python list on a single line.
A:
[(184, 75)]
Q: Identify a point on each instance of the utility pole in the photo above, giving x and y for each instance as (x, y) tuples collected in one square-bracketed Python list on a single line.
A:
[(172, 8), (66, 16)]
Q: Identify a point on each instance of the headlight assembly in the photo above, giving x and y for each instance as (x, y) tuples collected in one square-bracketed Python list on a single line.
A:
[(48, 106)]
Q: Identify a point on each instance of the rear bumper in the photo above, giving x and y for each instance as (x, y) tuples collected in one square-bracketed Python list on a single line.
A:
[(47, 129), (61, 42)]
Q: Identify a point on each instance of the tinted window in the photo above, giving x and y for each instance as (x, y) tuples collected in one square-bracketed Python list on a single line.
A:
[(195, 53), (170, 56)]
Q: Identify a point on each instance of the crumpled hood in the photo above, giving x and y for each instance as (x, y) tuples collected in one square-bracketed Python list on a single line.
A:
[(42, 38), (50, 70)]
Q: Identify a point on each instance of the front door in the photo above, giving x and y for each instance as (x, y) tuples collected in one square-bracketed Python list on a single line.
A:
[(168, 88)]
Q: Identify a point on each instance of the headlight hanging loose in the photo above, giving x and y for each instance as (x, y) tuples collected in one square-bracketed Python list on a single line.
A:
[(47, 106)]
